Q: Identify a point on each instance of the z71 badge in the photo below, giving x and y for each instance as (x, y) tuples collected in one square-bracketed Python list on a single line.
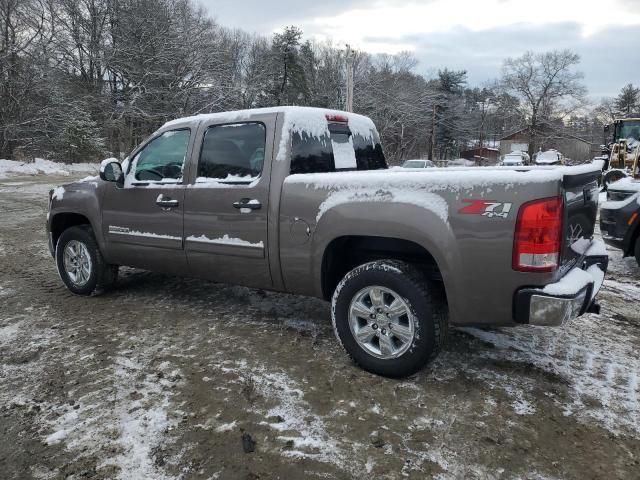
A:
[(487, 208)]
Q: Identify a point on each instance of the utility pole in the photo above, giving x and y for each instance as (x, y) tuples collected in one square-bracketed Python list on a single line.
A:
[(432, 145), (349, 59)]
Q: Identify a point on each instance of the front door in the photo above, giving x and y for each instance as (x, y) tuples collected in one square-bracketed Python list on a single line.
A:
[(143, 221), (225, 217)]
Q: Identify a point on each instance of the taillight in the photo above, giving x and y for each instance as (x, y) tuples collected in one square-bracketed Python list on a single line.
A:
[(334, 118), (538, 237)]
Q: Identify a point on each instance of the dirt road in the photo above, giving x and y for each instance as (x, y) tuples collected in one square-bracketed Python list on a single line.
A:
[(169, 378)]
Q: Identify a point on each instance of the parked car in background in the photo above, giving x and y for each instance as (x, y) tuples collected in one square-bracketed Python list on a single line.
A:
[(547, 158), (620, 217), (418, 164), (515, 159), (301, 200)]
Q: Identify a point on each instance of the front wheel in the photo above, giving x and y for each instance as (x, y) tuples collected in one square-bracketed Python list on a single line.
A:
[(80, 263), (389, 318)]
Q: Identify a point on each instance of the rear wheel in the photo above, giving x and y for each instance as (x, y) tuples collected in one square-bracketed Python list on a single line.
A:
[(80, 263), (389, 318)]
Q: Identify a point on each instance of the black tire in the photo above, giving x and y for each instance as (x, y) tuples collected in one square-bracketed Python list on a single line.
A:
[(424, 298), (102, 275), (636, 251)]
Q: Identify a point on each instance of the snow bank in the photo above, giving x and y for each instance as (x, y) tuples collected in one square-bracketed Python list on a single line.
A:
[(9, 168)]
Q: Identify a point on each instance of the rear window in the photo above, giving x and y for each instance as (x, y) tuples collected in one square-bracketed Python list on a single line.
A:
[(340, 150)]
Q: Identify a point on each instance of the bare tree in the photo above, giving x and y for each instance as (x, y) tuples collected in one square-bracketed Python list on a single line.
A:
[(544, 83)]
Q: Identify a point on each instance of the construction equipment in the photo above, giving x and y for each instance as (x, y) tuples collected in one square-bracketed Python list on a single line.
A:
[(621, 149)]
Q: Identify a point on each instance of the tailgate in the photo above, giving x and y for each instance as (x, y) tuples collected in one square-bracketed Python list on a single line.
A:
[(581, 192)]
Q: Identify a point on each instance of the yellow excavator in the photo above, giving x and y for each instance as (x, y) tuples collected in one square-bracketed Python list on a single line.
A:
[(621, 149)]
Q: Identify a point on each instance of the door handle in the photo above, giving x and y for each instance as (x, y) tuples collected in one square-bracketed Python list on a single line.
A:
[(250, 203), (166, 202)]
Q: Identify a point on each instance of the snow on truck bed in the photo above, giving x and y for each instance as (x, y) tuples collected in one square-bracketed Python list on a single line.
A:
[(449, 179)]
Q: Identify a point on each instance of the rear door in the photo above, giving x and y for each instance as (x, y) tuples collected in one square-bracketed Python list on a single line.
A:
[(226, 205), (143, 221)]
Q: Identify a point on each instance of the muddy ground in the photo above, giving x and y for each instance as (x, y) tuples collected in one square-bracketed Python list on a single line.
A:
[(168, 378)]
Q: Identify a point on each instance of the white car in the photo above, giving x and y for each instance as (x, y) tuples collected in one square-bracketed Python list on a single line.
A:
[(549, 157), (515, 159), (418, 164)]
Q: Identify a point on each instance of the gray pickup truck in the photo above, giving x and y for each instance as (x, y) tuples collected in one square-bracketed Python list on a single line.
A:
[(301, 200)]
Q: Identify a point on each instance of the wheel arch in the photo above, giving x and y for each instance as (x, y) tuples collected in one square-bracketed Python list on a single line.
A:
[(64, 220), (346, 252)]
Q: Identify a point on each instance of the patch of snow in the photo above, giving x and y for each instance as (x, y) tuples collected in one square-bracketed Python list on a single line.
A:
[(43, 167), (615, 205), (58, 193), (344, 154), (601, 371), (225, 240), (118, 422), (136, 233), (626, 184), (435, 180), (225, 427), (423, 199), (570, 284)]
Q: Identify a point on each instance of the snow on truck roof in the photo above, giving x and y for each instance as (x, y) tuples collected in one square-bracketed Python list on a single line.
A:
[(312, 121), (309, 119)]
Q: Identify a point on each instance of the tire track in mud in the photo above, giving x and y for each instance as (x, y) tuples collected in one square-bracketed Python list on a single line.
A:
[(603, 380)]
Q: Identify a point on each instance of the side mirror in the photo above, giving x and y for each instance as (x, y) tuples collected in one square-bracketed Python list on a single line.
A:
[(111, 171)]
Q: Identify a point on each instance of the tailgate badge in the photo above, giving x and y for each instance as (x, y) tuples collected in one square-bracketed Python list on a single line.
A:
[(486, 208)]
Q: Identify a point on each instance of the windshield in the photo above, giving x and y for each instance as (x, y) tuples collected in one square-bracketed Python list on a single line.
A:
[(413, 164), (630, 130)]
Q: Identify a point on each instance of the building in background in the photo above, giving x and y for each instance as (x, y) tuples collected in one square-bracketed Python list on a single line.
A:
[(574, 148), (482, 156)]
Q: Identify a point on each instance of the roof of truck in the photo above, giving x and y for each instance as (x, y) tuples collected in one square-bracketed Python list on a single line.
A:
[(308, 114), (314, 122)]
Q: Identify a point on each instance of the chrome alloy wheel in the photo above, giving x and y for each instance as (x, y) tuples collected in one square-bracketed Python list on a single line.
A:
[(381, 322), (77, 262)]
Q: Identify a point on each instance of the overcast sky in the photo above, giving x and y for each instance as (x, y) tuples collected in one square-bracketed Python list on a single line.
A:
[(475, 35)]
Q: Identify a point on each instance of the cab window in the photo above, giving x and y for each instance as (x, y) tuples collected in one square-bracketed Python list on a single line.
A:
[(163, 157), (233, 153), (339, 150)]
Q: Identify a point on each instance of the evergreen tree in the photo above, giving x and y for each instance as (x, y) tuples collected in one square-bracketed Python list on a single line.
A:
[(628, 101)]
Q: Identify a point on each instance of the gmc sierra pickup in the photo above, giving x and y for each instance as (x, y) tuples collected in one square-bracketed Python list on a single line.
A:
[(301, 200)]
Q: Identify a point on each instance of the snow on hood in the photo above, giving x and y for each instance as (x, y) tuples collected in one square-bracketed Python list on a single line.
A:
[(626, 184), (550, 156)]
